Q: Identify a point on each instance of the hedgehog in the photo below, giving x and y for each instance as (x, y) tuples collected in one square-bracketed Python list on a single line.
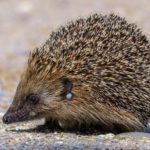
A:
[(91, 72)]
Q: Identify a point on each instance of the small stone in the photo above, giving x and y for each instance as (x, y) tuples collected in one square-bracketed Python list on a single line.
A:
[(100, 139), (144, 138), (12, 141)]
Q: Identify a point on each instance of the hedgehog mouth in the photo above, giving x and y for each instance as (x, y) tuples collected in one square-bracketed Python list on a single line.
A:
[(18, 116)]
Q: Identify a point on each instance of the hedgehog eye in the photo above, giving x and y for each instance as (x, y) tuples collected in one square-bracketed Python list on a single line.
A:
[(33, 98)]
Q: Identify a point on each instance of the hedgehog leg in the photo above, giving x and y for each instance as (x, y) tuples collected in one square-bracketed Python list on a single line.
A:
[(50, 125), (147, 129)]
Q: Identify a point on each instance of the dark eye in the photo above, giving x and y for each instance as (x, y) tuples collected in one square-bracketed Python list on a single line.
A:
[(33, 98)]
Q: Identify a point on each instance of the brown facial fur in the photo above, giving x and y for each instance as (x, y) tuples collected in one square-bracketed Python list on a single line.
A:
[(107, 61)]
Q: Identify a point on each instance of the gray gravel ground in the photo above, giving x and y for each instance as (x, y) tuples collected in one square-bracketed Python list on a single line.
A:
[(21, 136), (25, 24)]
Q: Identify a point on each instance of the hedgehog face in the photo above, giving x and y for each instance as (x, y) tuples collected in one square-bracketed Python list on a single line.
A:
[(38, 99)]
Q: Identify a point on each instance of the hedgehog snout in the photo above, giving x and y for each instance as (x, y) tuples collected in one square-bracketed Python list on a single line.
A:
[(6, 119)]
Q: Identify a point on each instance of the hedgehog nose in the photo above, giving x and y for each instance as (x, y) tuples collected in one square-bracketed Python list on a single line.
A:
[(6, 119)]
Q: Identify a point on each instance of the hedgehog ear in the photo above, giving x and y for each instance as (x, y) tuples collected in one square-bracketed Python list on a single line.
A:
[(67, 85)]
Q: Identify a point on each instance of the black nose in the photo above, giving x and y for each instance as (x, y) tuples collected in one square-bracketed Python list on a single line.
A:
[(6, 118)]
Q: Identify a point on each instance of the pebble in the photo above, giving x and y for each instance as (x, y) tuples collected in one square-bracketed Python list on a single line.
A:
[(101, 140), (59, 142), (12, 141)]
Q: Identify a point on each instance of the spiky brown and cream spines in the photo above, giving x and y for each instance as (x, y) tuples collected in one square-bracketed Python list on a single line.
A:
[(92, 71)]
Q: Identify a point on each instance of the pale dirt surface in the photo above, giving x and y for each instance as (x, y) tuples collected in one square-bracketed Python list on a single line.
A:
[(26, 24)]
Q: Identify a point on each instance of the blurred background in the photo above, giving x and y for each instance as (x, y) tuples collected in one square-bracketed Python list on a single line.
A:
[(26, 24)]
